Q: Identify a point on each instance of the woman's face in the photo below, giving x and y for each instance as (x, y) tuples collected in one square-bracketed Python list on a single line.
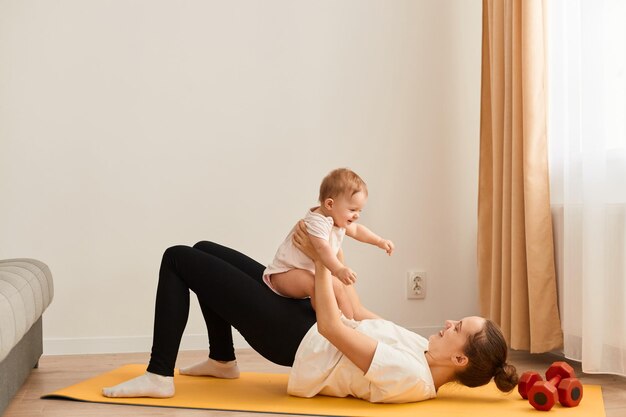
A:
[(450, 341)]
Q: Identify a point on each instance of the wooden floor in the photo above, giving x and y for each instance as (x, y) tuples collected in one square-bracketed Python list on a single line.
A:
[(56, 372)]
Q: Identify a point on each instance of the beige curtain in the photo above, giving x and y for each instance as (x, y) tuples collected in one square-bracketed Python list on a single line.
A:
[(515, 245)]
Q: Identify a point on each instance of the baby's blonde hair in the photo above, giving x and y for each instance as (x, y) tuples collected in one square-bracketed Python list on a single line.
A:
[(339, 182)]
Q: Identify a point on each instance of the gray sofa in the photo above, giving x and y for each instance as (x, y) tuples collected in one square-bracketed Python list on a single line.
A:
[(26, 291)]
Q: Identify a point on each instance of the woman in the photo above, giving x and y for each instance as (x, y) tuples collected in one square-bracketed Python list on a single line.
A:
[(367, 358)]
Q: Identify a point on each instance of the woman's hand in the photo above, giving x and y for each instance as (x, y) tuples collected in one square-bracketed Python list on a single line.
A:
[(303, 242)]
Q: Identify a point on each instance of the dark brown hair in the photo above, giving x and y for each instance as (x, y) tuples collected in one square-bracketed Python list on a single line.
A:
[(486, 351), (341, 181)]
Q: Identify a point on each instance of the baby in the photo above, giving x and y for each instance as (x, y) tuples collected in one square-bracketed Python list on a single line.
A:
[(343, 195)]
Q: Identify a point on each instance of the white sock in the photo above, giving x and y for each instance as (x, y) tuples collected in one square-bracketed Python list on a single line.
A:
[(146, 385), (211, 367)]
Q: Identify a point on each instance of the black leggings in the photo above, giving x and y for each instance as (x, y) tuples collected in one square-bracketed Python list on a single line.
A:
[(230, 290)]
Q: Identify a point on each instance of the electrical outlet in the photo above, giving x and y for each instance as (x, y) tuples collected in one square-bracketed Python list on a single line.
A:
[(416, 285)]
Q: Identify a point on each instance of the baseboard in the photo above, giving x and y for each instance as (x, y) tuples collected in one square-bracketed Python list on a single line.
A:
[(94, 345)]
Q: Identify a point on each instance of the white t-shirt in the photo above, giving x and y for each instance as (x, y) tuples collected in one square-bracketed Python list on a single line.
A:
[(399, 372), (289, 257)]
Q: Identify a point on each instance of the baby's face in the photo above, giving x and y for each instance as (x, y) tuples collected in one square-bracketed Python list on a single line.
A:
[(347, 210)]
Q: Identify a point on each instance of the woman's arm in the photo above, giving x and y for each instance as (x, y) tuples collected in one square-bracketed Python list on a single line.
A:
[(360, 312), (357, 347)]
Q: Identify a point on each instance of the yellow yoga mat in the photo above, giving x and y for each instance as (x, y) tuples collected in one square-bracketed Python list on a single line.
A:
[(263, 392)]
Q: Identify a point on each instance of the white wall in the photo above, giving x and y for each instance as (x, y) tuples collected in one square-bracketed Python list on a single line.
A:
[(128, 127)]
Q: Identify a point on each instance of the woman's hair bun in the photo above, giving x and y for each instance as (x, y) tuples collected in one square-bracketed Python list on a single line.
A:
[(506, 377)]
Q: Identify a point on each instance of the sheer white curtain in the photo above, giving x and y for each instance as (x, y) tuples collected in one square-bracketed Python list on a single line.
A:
[(587, 135)]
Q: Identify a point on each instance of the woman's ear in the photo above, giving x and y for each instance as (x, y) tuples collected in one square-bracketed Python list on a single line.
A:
[(460, 360), (328, 203)]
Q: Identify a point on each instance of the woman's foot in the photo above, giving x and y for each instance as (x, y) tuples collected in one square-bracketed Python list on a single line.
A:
[(211, 367), (146, 385)]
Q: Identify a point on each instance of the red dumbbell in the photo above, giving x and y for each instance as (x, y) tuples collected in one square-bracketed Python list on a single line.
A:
[(526, 381), (561, 385)]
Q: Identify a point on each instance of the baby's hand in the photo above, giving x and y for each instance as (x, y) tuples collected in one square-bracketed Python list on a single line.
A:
[(346, 275), (386, 245)]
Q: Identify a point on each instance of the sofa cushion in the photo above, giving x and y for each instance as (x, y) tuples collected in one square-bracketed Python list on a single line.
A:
[(26, 290)]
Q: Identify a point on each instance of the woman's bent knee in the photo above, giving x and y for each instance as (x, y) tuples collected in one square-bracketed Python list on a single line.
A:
[(205, 245), (174, 252)]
